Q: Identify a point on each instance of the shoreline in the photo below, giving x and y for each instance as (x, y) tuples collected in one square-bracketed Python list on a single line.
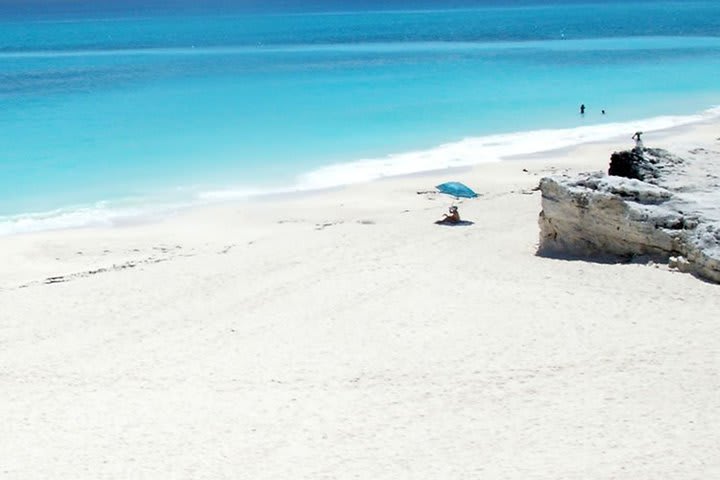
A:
[(392, 166), (264, 212)]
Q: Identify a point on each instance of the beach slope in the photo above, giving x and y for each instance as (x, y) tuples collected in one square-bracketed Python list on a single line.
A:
[(344, 335)]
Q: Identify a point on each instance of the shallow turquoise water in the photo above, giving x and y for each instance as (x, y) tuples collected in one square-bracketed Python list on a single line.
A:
[(130, 109)]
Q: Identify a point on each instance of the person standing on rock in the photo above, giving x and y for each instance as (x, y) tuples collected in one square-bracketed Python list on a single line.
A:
[(638, 141)]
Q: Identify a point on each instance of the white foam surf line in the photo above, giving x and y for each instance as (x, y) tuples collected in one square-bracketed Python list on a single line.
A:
[(491, 148), (464, 153), (105, 214), (98, 215)]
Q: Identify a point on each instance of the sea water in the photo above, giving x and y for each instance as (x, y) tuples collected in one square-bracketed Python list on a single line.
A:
[(112, 110)]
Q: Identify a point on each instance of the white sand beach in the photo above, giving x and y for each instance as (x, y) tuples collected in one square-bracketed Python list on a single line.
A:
[(341, 334)]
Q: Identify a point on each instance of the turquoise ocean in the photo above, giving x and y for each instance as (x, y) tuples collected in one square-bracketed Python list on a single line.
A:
[(111, 111)]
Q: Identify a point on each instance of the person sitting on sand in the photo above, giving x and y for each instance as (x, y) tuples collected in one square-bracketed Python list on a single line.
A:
[(451, 219)]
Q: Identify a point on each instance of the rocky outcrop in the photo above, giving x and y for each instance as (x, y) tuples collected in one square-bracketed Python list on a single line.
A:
[(652, 204), (648, 164)]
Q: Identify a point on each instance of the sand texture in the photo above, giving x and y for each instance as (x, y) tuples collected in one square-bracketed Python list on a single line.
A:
[(344, 335)]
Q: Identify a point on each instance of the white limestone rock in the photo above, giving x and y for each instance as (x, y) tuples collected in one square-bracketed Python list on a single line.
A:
[(672, 210)]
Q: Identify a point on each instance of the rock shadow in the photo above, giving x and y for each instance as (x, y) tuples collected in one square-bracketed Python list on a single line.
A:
[(605, 259)]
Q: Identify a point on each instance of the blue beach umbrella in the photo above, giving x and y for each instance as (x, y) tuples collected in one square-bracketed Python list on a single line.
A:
[(457, 190)]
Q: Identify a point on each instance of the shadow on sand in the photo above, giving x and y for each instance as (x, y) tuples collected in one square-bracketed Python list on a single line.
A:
[(609, 259), (461, 223), (604, 258)]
